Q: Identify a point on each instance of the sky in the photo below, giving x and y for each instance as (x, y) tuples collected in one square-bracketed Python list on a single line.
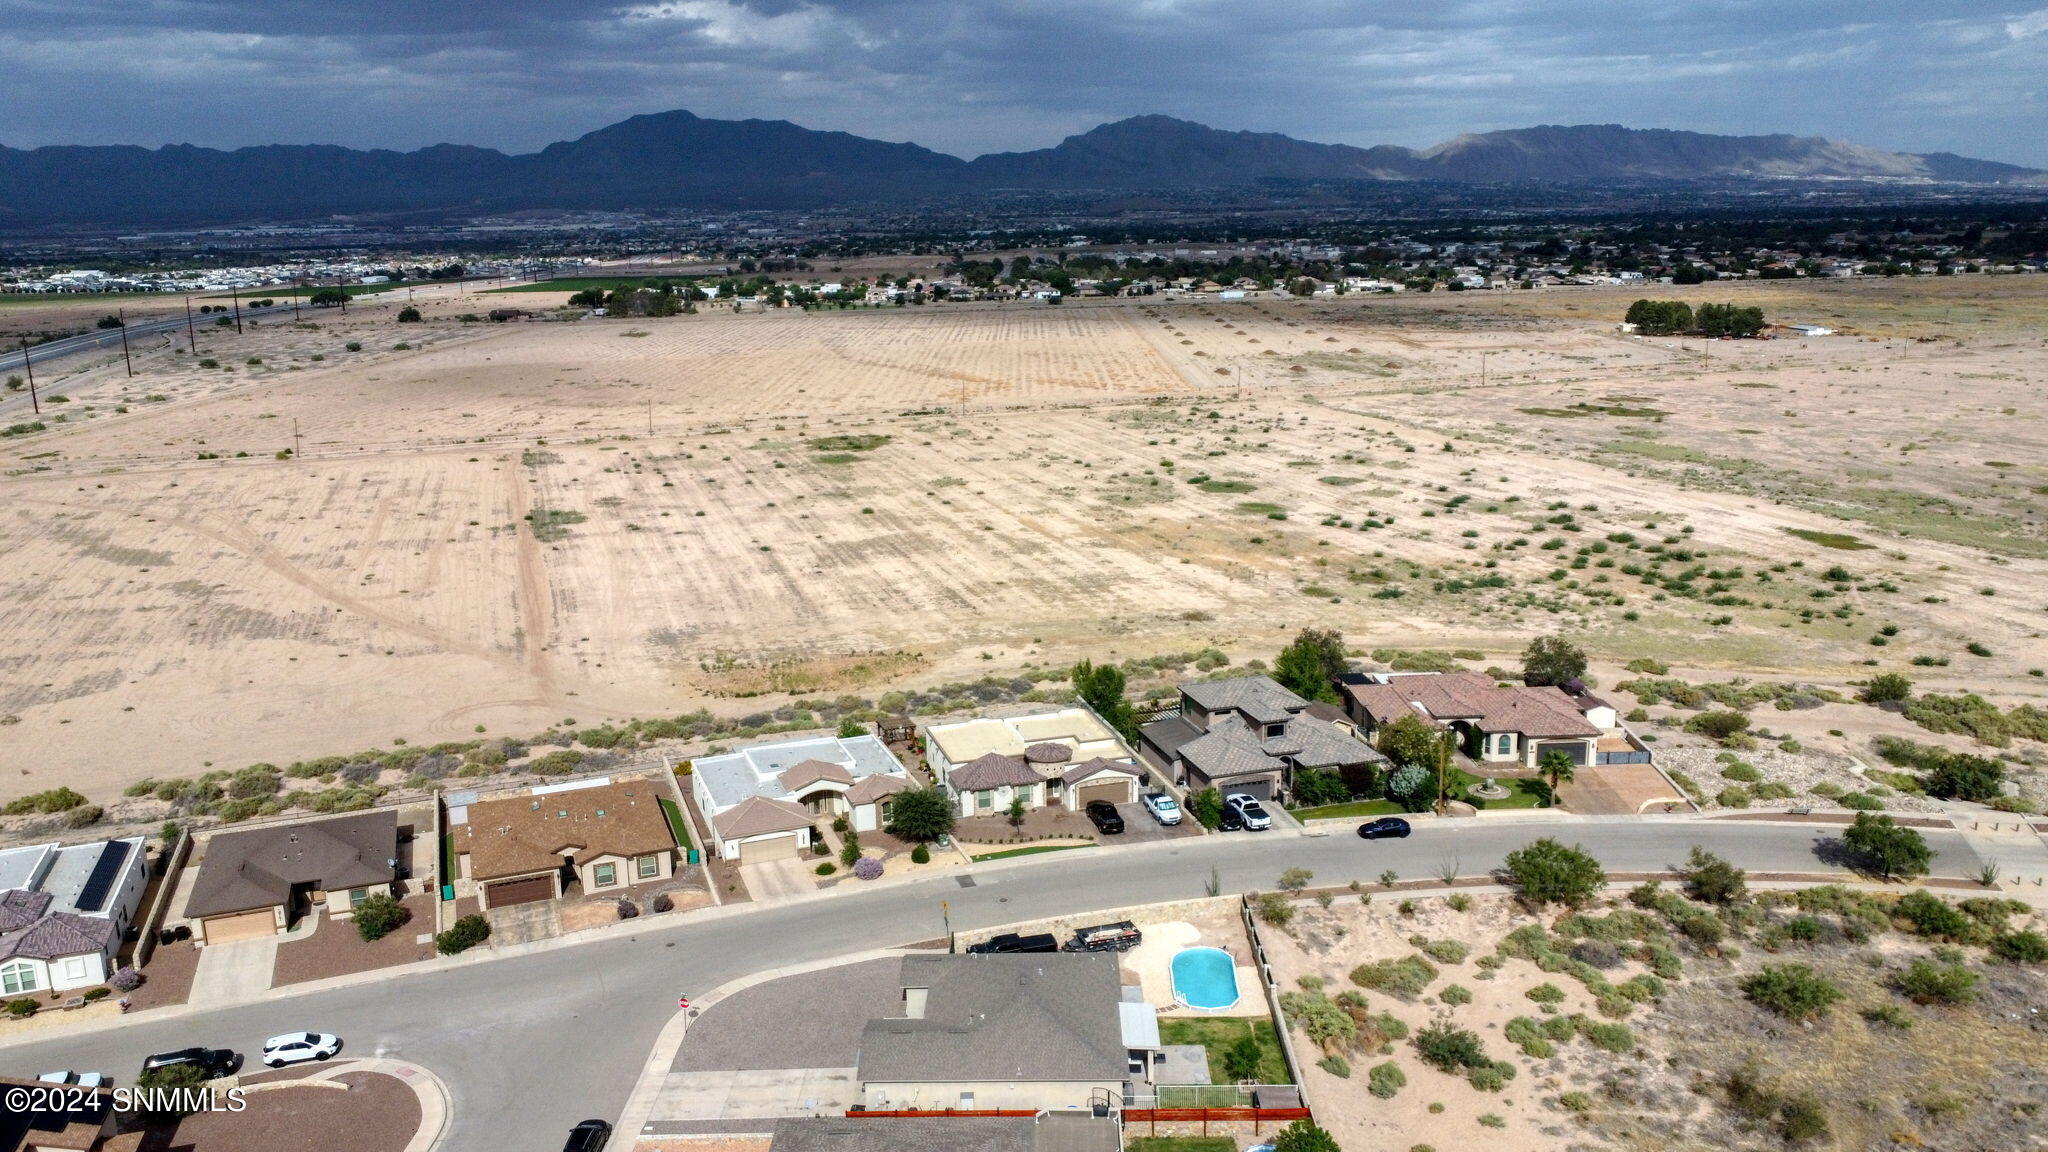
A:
[(974, 76)]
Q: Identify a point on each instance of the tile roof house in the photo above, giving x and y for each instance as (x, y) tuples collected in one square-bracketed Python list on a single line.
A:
[(1249, 734), (63, 909), (75, 1120), (258, 881), (1495, 723), (594, 835), (987, 762), (1042, 1031), (763, 801)]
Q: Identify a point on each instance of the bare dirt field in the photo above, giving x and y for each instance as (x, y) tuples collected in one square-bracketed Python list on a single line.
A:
[(502, 526)]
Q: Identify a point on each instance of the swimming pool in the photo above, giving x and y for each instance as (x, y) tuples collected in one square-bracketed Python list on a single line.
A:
[(1205, 978)]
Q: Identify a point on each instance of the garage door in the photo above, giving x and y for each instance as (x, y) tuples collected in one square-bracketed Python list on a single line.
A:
[(1260, 789), (1574, 749), (1115, 791), (773, 848), (241, 926), (506, 893)]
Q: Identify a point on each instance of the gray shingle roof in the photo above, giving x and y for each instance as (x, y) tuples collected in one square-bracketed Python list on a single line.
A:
[(1231, 748), (1003, 1018), (993, 770), (759, 816), (1096, 767), (257, 868), (1259, 697)]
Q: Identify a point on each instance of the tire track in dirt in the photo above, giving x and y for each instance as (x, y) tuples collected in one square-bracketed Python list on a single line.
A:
[(530, 598)]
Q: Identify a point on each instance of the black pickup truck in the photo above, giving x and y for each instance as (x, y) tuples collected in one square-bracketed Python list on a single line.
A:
[(1011, 942)]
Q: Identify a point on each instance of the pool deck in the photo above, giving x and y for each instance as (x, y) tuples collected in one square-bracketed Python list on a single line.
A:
[(1152, 963)]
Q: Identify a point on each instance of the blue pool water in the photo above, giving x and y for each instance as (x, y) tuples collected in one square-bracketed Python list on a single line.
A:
[(1205, 978)]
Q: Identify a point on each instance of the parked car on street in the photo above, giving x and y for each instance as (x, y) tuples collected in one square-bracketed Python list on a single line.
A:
[(1384, 828), (299, 1047), (1121, 936), (1010, 942), (212, 1061), (81, 1079), (1105, 817), (1163, 808), (1253, 813), (589, 1136)]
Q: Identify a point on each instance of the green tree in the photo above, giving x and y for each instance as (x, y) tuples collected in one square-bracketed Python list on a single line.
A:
[(1556, 767), (1409, 740), (378, 915), (1241, 1060), (408, 315), (921, 814), (1207, 806), (1961, 776), (1660, 317), (1547, 872), (1310, 664), (1101, 687), (1314, 787), (328, 298), (1304, 1136), (850, 728), (1886, 848), (1712, 880), (1552, 660), (1410, 786), (1016, 811)]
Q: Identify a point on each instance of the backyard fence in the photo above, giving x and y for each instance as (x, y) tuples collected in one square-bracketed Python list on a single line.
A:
[(1258, 1117)]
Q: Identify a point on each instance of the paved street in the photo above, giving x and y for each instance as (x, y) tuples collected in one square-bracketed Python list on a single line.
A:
[(531, 1044)]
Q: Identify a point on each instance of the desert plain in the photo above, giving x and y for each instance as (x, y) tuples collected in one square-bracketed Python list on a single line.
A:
[(274, 547)]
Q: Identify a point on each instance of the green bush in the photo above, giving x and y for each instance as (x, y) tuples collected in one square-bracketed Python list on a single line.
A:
[(920, 855), (22, 1007), (1886, 687), (1575, 1102), (1546, 994), (1450, 1049), (1456, 995), (466, 933), (2021, 947), (1924, 982), (1336, 1066), (378, 915), (46, 803), (1793, 991), (1547, 872), (1442, 951), (1733, 796), (1937, 919), (1615, 1038), (1404, 979), (1526, 1033), (826, 869), (1742, 771)]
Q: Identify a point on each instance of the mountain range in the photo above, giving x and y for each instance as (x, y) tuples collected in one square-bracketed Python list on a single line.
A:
[(679, 160)]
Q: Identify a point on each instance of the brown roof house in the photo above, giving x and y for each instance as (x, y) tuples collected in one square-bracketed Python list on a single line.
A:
[(1496, 723), (259, 881), (591, 835)]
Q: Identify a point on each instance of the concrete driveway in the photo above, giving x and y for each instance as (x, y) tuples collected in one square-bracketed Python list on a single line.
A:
[(524, 923), (234, 972), (782, 879)]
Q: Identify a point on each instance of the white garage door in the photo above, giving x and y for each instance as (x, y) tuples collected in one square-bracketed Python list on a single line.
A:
[(773, 848)]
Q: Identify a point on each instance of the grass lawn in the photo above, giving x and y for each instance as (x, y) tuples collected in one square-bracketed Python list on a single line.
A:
[(579, 283), (1217, 1033), (676, 823), (28, 298), (1356, 809), (1182, 1144), (1032, 851)]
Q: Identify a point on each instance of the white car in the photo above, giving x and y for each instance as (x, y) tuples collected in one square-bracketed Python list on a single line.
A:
[(299, 1047), (1249, 810), (1162, 808), (82, 1079)]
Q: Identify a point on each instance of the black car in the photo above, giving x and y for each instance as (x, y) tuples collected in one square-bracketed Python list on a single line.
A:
[(1232, 821), (212, 1061), (1384, 828), (589, 1136), (1105, 817), (1011, 942)]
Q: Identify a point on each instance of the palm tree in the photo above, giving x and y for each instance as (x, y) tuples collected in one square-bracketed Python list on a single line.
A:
[(1558, 767)]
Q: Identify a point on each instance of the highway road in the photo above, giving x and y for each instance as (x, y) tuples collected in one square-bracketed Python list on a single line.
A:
[(531, 1044)]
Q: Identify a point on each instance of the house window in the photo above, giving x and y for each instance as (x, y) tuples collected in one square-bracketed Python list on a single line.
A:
[(1504, 743), (607, 875), (650, 867), (19, 976), (984, 800)]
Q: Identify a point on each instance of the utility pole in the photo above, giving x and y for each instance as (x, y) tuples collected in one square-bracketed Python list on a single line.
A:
[(650, 417), (121, 314), (298, 445), (237, 298), (191, 336), (1482, 369), (30, 367)]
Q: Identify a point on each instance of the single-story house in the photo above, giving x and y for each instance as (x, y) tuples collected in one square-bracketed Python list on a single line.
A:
[(1045, 1132), (64, 910), (763, 801), (1068, 757), (259, 881), (1044, 1032), (1496, 723), (72, 1119), (1249, 734), (597, 835)]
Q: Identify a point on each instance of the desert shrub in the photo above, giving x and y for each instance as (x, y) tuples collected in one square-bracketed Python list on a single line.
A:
[(1801, 1119), (1526, 1033), (1889, 1015), (627, 909), (1712, 880), (1733, 796), (1937, 919), (125, 979), (1960, 776), (2021, 947), (1450, 1049), (466, 933), (45, 803), (1924, 982), (661, 903), (1741, 770), (1404, 979), (826, 869), (1886, 687), (1547, 872), (1492, 1078), (1385, 1080), (1442, 951), (1546, 994), (84, 816), (867, 868), (1719, 724), (1575, 1102), (378, 915), (1602, 954), (1615, 1038), (22, 1007), (1273, 908), (1336, 1066), (1456, 995), (1793, 991)]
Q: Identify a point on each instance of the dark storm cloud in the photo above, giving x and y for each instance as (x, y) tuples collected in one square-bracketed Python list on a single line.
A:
[(967, 77)]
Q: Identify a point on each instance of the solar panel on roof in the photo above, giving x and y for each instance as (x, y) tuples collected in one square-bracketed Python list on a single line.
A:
[(93, 896)]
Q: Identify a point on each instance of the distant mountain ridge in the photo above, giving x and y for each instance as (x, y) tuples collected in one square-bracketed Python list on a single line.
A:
[(680, 160)]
